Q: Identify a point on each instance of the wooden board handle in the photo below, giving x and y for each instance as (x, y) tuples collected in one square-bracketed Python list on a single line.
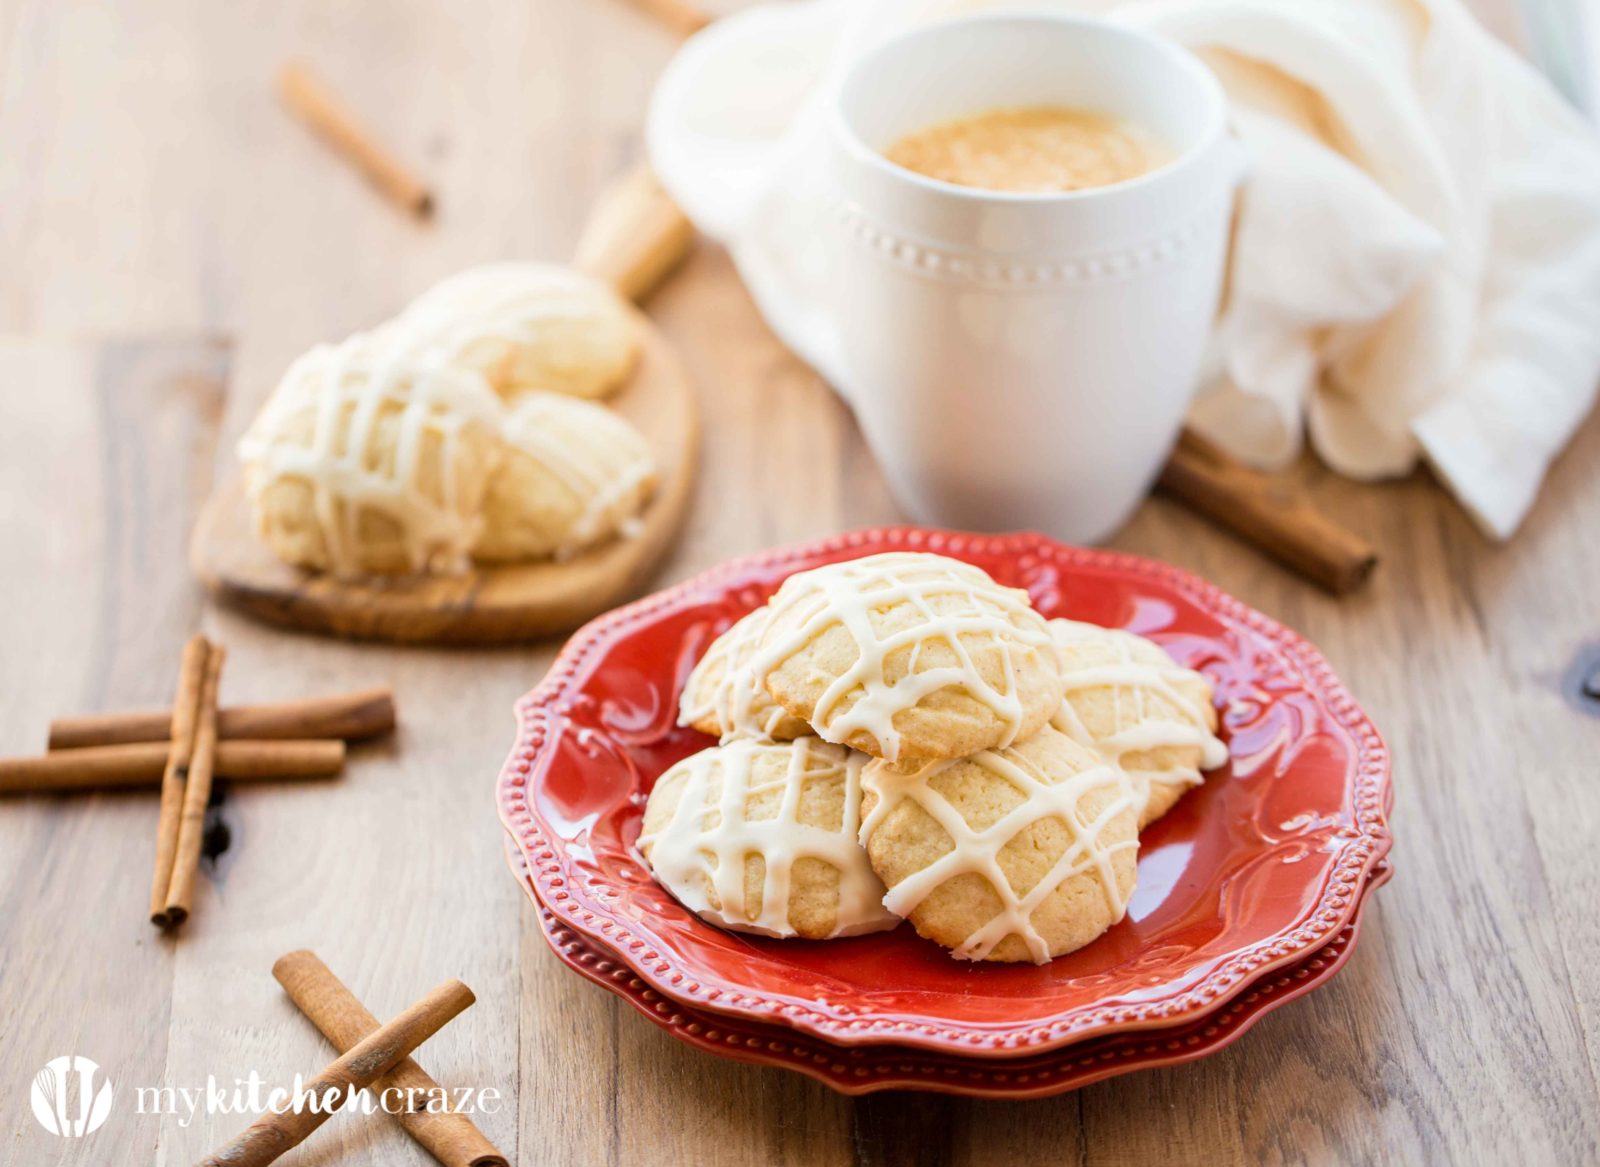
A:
[(635, 237), (1267, 512)]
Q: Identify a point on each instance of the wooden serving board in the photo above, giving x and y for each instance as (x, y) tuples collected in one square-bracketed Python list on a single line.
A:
[(488, 605)]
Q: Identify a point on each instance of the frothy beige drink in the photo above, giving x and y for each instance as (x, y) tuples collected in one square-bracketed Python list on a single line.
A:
[(1034, 150)]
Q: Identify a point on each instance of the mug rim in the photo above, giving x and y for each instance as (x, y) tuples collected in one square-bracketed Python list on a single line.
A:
[(1179, 56)]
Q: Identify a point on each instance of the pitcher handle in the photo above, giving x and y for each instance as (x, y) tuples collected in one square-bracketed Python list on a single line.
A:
[(714, 150)]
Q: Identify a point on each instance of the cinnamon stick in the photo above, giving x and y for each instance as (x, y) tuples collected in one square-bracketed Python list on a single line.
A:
[(137, 764), (333, 122), (185, 713), (679, 15), (451, 1138), (1268, 513), (196, 795), (351, 716), (359, 1067)]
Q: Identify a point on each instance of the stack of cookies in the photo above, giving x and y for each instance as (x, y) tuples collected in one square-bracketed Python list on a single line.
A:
[(904, 738), (468, 428)]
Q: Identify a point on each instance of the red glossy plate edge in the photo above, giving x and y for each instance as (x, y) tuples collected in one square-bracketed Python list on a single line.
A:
[(858, 1070), (1371, 800)]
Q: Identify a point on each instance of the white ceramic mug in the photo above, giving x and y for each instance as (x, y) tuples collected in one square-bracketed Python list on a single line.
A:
[(1015, 360)]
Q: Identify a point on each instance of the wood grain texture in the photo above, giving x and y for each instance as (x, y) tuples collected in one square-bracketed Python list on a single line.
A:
[(103, 460), (487, 605), (156, 196)]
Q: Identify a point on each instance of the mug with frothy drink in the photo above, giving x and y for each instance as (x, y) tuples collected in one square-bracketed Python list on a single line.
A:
[(1017, 233)]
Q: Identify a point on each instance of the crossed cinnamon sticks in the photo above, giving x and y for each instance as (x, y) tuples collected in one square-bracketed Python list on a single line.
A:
[(258, 743), (183, 749), (372, 1056)]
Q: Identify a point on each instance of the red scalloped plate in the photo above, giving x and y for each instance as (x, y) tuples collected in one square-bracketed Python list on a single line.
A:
[(868, 1069), (1256, 870)]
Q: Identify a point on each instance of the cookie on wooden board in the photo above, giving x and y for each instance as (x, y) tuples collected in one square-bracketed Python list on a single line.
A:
[(528, 327), (369, 458), (574, 474)]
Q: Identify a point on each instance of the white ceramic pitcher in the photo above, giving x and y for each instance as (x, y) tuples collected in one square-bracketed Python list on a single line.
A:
[(1015, 360)]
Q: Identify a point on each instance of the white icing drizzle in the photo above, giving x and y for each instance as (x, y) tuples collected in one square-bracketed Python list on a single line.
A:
[(591, 451), (978, 851), (733, 695), (350, 387), (515, 303), (1138, 669), (703, 846), (847, 593)]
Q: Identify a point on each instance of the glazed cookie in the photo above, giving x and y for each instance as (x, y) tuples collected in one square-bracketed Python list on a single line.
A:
[(723, 697), (528, 326), (574, 474), (1023, 853), (1127, 699), (908, 655), (761, 837), (368, 458)]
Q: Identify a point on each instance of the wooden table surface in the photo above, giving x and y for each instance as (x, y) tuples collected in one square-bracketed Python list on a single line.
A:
[(169, 240)]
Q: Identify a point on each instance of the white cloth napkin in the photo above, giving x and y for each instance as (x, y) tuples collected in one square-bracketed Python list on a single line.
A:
[(1416, 262)]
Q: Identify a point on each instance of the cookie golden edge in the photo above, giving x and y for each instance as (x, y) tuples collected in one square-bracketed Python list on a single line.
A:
[(946, 885), (724, 870), (723, 698), (1007, 685), (1163, 770)]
